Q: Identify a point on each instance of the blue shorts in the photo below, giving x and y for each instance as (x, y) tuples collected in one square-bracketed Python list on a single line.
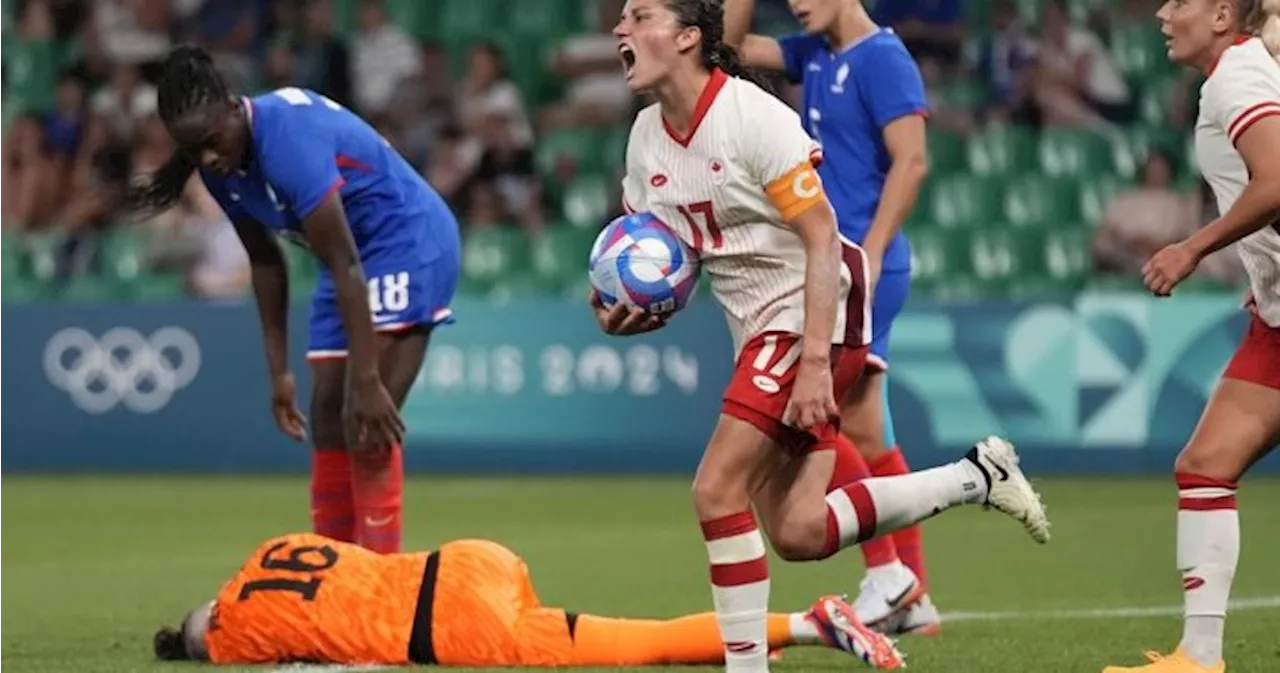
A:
[(403, 293), (891, 295)]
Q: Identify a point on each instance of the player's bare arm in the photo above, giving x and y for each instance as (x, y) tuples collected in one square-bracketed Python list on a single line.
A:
[(812, 401), (1257, 207), (909, 164), (756, 51), (373, 419), (270, 280)]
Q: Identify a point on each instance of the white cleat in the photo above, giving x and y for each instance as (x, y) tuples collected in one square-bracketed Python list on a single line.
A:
[(885, 592), (1007, 487), (921, 619)]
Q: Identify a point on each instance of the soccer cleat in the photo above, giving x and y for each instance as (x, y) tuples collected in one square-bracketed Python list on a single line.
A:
[(919, 619), (840, 629), (885, 593), (1007, 487), (1178, 662)]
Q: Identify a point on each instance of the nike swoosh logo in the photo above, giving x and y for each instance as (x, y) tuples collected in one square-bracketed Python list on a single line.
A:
[(1004, 474), (894, 602), (378, 523)]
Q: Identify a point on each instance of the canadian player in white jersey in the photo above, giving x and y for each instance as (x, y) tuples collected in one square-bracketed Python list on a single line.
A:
[(1235, 43), (730, 169)]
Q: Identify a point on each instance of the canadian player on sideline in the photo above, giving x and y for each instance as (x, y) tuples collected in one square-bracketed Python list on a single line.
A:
[(730, 169), (308, 598), (864, 101), (1235, 43), (296, 164)]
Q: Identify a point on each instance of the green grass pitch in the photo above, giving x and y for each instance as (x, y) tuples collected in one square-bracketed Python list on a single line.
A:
[(93, 565)]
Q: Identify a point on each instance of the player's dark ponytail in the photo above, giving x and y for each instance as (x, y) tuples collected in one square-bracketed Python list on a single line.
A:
[(189, 81), (169, 646), (708, 17)]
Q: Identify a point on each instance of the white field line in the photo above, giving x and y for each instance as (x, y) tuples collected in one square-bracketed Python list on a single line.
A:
[(1242, 605)]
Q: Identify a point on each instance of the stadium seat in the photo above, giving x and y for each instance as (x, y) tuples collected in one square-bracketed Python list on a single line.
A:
[(1001, 151), (1130, 149), (962, 200), (1155, 97), (1073, 152), (1095, 195), (581, 147), (547, 19), (30, 73), (999, 253), (13, 258), (89, 289), (420, 20), (938, 256), (122, 253), (1034, 200), (560, 254), (491, 253), (1138, 49), (588, 201), (469, 19), (157, 287), (946, 152), (613, 155), (1066, 253)]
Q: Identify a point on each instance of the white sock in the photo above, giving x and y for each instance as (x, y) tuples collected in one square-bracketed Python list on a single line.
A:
[(740, 588), (888, 572), (895, 502), (803, 631), (1208, 550)]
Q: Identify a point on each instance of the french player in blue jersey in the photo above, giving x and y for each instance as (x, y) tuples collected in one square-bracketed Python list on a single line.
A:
[(294, 165), (864, 101)]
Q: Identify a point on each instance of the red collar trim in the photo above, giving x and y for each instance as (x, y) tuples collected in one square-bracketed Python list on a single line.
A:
[(714, 84), (1240, 39)]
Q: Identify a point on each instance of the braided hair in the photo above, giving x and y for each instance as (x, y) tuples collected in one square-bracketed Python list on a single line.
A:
[(708, 17), (168, 645), (189, 81)]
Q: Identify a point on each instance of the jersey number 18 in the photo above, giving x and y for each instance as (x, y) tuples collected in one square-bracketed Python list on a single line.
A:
[(298, 562)]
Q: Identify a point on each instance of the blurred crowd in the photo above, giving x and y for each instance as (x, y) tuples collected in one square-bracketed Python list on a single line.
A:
[(473, 132)]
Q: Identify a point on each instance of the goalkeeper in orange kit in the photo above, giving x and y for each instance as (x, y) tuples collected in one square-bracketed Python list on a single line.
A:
[(308, 598)]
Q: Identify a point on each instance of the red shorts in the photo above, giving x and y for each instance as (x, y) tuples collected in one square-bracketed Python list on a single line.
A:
[(1257, 360), (762, 381)]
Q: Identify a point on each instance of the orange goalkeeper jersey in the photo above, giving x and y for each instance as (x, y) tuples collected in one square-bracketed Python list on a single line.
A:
[(308, 598)]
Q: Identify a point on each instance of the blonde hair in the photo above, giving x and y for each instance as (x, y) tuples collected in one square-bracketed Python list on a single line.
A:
[(1269, 30)]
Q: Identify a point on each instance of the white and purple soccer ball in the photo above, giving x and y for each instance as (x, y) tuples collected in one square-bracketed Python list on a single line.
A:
[(640, 261)]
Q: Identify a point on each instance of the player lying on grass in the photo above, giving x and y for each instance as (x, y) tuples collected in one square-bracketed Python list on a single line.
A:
[(308, 598)]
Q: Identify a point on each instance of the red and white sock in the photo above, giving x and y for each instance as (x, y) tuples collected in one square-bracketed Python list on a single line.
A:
[(332, 508), (1208, 550), (740, 588), (908, 542), (881, 505), (377, 479), (850, 466)]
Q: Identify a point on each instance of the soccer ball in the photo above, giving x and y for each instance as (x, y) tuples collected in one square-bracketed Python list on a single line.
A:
[(640, 261)]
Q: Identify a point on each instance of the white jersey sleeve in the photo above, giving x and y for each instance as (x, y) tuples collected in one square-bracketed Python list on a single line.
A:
[(782, 157), (1244, 89)]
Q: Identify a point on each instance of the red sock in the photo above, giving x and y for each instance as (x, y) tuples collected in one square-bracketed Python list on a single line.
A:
[(908, 540), (332, 511), (377, 480), (850, 467)]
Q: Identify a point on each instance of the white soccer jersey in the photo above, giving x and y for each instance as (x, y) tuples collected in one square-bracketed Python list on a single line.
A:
[(729, 189), (1243, 88)]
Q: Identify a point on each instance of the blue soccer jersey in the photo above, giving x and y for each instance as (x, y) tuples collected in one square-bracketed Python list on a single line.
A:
[(305, 148), (850, 96)]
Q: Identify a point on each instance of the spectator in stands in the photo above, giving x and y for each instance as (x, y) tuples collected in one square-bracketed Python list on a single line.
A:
[(134, 32), (382, 56), (508, 166), (487, 90), (596, 92), (423, 106), (1144, 219), (1076, 82), (934, 30), (124, 103), (451, 163), (30, 188), (321, 61), (232, 32), (1003, 64)]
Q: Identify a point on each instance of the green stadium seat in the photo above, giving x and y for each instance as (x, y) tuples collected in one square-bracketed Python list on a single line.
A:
[(420, 19), (490, 254), (999, 253), (1073, 152), (548, 19), (1138, 49), (1037, 200), (470, 19), (42, 254), (939, 255), (964, 94), (588, 201), (1130, 149), (946, 152), (122, 253), (30, 73), (1095, 196), (1001, 151), (13, 258), (1155, 97), (521, 286), (614, 153), (560, 254), (1066, 253), (962, 200), (158, 287), (90, 290), (580, 146)]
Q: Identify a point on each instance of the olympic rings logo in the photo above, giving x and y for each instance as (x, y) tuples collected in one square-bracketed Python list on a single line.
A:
[(122, 366)]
